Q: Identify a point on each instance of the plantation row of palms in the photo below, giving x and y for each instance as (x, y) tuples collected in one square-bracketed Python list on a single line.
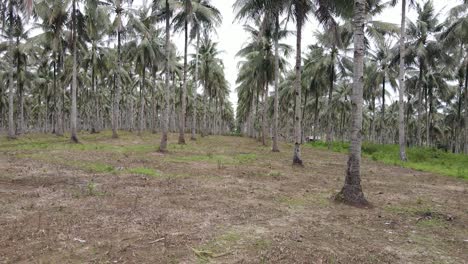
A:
[(432, 78), (104, 64), (329, 94)]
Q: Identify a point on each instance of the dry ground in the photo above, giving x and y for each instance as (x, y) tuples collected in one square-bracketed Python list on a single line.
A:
[(216, 200)]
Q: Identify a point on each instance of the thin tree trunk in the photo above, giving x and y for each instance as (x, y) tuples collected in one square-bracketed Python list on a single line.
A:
[(419, 106), (297, 86), (316, 114), (264, 114), (330, 97), (165, 121), (466, 106), (277, 73), (59, 129), (154, 105), (382, 122), (73, 117), (401, 102), (183, 104), (115, 108), (195, 93), (11, 109), (252, 117), (142, 103), (352, 190)]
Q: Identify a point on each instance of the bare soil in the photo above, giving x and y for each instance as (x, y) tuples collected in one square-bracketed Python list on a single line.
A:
[(216, 200)]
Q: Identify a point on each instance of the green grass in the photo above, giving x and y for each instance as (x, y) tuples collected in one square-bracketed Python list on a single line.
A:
[(421, 159)]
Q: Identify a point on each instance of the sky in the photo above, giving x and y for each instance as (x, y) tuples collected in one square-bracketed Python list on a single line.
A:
[(231, 36)]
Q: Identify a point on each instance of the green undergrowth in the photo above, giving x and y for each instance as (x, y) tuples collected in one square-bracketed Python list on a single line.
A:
[(421, 159)]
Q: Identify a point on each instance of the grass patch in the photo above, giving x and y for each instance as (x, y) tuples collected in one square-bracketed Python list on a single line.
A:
[(421, 159), (218, 247)]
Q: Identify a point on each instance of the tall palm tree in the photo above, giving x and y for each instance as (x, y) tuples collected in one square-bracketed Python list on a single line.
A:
[(299, 9), (194, 13), (456, 36), (351, 192), (73, 117), (165, 12), (401, 90)]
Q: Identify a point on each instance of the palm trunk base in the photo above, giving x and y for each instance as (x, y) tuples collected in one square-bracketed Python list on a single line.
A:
[(297, 161), (275, 146), (181, 139), (403, 156), (163, 145), (74, 139), (352, 195), (114, 134)]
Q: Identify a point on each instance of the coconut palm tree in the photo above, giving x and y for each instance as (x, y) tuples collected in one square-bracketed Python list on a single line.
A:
[(351, 192), (401, 90), (73, 117), (194, 13), (456, 36), (164, 11)]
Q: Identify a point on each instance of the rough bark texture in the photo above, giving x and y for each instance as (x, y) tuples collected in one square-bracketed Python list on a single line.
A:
[(184, 90), (329, 102), (195, 89), (297, 87), (466, 106), (401, 90), (61, 97), (11, 109), (165, 121), (73, 117), (115, 108), (142, 102), (275, 147), (264, 115), (352, 190)]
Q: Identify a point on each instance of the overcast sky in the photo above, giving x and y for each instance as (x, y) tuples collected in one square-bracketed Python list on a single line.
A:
[(231, 36)]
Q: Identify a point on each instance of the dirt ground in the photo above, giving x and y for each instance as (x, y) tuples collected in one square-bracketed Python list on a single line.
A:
[(216, 200)]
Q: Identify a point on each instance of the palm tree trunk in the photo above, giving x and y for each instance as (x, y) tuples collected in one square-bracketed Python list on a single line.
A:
[(184, 90), (195, 88), (73, 117), (142, 103), (401, 102), (115, 108), (419, 106), (165, 121), (382, 122), (252, 117), (277, 73), (11, 109), (352, 190), (205, 95), (59, 129), (18, 88), (297, 86), (154, 105), (466, 106), (330, 97), (316, 115), (264, 114)]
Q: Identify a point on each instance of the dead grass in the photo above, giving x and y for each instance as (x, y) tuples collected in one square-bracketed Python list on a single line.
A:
[(216, 200)]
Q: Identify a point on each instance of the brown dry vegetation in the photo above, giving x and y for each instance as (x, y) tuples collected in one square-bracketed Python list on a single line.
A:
[(216, 200)]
